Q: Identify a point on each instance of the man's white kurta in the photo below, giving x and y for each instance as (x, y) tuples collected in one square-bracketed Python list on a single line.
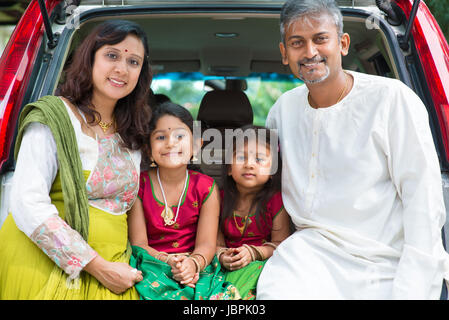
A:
[(362, 183)]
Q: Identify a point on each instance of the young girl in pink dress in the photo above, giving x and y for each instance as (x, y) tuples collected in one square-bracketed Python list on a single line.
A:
[(253, 220), (173, 224)]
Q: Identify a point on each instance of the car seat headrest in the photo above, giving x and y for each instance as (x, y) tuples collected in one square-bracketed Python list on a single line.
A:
[(225, 108)]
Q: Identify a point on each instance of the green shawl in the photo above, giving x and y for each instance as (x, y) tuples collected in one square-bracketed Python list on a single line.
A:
[(51, 111)]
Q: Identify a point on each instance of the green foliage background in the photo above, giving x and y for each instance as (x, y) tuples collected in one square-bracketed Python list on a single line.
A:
[(440, 10)]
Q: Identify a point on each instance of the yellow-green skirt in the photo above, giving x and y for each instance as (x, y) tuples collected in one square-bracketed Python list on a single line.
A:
[(27, 273)]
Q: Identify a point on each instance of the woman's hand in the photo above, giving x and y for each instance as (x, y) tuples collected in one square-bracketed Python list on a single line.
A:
[(116, 276), (184, 270)]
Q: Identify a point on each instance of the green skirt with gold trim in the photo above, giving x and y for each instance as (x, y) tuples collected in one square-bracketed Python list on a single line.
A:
[(245, 279), (158, 284)]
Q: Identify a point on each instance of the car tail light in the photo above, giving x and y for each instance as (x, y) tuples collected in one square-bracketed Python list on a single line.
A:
[(16, 65), (433, 51)]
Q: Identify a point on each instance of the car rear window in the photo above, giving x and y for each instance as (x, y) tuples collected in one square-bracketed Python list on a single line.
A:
[(187, 89)]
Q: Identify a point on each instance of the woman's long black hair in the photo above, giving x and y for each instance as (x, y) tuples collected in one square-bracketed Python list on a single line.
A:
[(132, 112), (231, 194)]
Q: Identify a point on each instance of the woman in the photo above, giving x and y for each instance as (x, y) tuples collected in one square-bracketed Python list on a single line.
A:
[(76, 176)]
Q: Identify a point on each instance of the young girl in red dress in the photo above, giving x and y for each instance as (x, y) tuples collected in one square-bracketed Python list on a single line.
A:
[(173, 224), (253, 220)]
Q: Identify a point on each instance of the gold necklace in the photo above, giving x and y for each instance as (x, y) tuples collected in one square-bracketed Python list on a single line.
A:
[(309, 98), (104, 125), (245, 222), (167, 213)]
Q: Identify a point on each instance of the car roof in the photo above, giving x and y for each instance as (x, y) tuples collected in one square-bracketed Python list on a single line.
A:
[(215, 52), (11, 11), (356, 3)]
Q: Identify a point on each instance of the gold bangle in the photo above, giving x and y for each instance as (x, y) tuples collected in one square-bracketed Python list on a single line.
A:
[(270, 244), (202, 256), (220, 252), (159, 253), (259, 252), (197, 264), (169, 256), (250, 252)]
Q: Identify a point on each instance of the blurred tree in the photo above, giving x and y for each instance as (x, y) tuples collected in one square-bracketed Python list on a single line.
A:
[(5, 33), (183, 92), (440, 10), (264, 96)]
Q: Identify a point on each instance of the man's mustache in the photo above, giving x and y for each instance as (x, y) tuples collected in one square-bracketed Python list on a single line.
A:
[(315, 59)]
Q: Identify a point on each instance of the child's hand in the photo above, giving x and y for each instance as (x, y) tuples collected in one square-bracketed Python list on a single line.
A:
[(226, 258), (241, 258), (235, 258), (184, 270), (195, 279)]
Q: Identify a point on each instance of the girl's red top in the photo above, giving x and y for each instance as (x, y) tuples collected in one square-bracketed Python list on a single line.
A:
[(255, 234), (180, 236)]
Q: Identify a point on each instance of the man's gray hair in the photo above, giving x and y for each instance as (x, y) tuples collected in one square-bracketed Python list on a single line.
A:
[(292, 10)]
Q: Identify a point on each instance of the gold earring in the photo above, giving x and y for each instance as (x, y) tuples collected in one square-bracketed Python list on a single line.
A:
[(194, 158), (153, 164)]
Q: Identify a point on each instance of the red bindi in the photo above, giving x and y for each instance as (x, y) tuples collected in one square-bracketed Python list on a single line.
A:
[(126, 50)]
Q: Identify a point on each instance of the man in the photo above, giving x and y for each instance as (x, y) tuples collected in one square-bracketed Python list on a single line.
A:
[(361, 177)]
